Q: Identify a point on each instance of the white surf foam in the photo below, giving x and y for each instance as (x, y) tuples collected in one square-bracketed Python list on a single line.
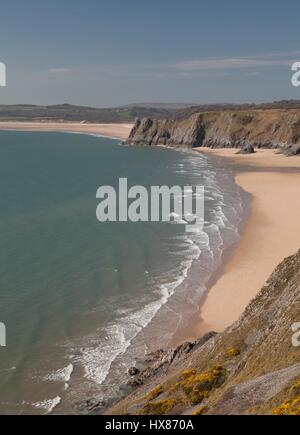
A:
[(98, 359), (61, 375), (47, 405)]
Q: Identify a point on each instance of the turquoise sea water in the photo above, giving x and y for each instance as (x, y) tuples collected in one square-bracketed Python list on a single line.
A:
[(82, 300)]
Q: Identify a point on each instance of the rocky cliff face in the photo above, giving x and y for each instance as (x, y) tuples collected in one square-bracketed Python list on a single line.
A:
[(251, 368), (237, 129)]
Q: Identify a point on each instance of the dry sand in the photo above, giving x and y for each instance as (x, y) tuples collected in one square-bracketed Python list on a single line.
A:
[(271, 234), (118, 131)]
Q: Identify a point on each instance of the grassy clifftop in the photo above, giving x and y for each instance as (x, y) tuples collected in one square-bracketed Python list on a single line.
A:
[(251, 368)]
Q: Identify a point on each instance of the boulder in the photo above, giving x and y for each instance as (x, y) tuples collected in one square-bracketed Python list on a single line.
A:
[(91, 406), (247, 149), (133, 371), (294, 150)]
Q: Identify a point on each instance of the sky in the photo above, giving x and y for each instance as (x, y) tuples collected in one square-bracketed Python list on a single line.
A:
[(111, 52)]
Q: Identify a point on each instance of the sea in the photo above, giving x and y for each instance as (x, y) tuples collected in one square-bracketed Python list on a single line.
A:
[(83, 301)]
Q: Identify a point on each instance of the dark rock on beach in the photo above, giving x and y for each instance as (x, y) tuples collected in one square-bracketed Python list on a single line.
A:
[(293, 150), (91, 406), (247, 149), (133, 371)]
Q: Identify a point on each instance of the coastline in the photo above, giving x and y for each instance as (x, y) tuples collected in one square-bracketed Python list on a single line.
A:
[(114, 131), (271, 231), (271, 234), (266, 239)]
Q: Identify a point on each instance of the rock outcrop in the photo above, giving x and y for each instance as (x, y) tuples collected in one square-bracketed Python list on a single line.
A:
[(236, 129), (161, 361), (251, 368)]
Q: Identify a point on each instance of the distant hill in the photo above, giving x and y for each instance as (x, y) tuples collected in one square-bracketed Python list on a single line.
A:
[(167, 106), (72, 113)]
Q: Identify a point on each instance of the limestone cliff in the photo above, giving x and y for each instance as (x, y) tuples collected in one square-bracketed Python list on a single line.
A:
[(237, 129), (251, 368)]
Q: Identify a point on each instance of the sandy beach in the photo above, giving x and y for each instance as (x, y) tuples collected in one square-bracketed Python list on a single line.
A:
[(118, 131), (271, 234)]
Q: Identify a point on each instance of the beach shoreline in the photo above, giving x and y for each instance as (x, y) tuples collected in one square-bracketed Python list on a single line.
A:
[(270, 234), (114, 131), (272, 181)]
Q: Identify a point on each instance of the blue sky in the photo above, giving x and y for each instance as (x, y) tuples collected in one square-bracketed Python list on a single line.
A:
[(114, 52)]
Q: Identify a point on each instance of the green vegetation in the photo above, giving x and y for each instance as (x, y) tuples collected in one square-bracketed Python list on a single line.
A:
[(197, 387), (158, 408), (291, 406), (254, 352), (188, 373), (200, 411), (70, 113), (232, 353), (154, 394), (192, 388)]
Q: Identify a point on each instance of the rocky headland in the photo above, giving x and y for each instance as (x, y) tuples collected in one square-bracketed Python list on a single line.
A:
[(245, 129)]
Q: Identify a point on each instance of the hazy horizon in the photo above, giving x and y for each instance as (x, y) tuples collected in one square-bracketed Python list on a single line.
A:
[(112, 54)]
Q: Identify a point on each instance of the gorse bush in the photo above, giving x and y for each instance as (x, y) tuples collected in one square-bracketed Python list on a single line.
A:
[(162, 407), (154, 394), (197, 387), (232, 353)]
